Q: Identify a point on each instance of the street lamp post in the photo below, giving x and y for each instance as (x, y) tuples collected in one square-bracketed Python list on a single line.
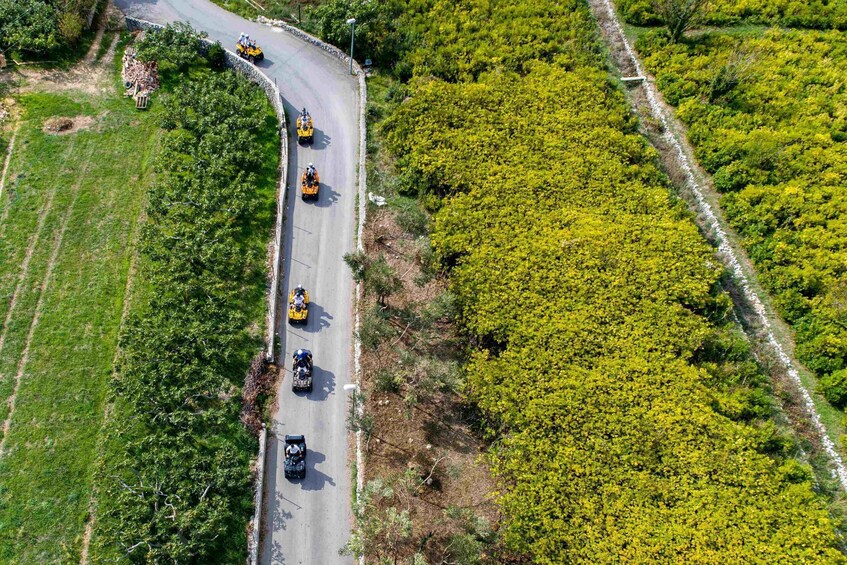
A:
[(352, 23)]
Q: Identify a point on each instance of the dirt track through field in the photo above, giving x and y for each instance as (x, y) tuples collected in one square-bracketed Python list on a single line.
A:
[(33, 245), (39, 304), (110, 53), (761, 324), (95, 46), (92, 505), (7, 161)]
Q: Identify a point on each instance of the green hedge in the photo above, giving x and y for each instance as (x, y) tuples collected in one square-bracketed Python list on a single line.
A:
[(177, 486)]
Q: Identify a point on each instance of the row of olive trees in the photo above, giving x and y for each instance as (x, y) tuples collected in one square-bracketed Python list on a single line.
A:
[(42, 25), (178, 485)]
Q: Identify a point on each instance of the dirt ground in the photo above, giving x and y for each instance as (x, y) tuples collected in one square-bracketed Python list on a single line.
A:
[(423, 437), (91, 75), (64, 126)]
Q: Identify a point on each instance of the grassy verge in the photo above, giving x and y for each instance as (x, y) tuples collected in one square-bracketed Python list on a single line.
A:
[(634, 32), (272, 8), (74, 207)]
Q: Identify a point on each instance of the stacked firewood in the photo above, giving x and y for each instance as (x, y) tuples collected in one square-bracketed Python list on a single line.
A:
[(140, 77)]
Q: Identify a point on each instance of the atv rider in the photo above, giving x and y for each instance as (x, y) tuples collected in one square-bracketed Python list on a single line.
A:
[(301, 358), (293, 451), (299, 297), (310, 173), (244, 40), (305, 118)]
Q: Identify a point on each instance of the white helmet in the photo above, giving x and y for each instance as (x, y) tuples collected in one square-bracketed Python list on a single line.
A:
[(311, 165)]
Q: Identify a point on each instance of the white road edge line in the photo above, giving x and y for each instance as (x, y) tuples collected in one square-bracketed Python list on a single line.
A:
[(728, 253)]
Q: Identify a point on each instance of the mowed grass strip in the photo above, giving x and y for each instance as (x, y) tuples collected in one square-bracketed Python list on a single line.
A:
[(22, 224), (43, 169), (99, 175)]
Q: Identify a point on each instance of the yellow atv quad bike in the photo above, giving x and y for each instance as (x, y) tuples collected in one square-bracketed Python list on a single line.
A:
[(251, 52), (309, 187), (305, 128), (298, 305)]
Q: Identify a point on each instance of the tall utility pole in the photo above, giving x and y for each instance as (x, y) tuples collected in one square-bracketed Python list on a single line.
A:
[(352, 23)]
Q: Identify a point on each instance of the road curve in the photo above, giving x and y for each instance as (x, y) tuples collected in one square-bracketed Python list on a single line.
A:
[(308, 521)]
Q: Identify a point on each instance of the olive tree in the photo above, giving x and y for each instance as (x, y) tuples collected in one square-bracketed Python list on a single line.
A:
[(681, 15)]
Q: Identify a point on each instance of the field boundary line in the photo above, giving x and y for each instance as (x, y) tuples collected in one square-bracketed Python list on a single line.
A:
[(12, 400), (713, 220), (107, 405), (8, 160), (30, 250)]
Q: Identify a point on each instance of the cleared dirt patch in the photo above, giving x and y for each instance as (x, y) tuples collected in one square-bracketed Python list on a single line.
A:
[(65, 125), (423, 438)]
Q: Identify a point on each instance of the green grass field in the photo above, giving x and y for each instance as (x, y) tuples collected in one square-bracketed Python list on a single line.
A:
[(68, 221)]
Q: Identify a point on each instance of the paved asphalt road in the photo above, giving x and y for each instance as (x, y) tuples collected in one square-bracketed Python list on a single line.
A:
[(306, 522)]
